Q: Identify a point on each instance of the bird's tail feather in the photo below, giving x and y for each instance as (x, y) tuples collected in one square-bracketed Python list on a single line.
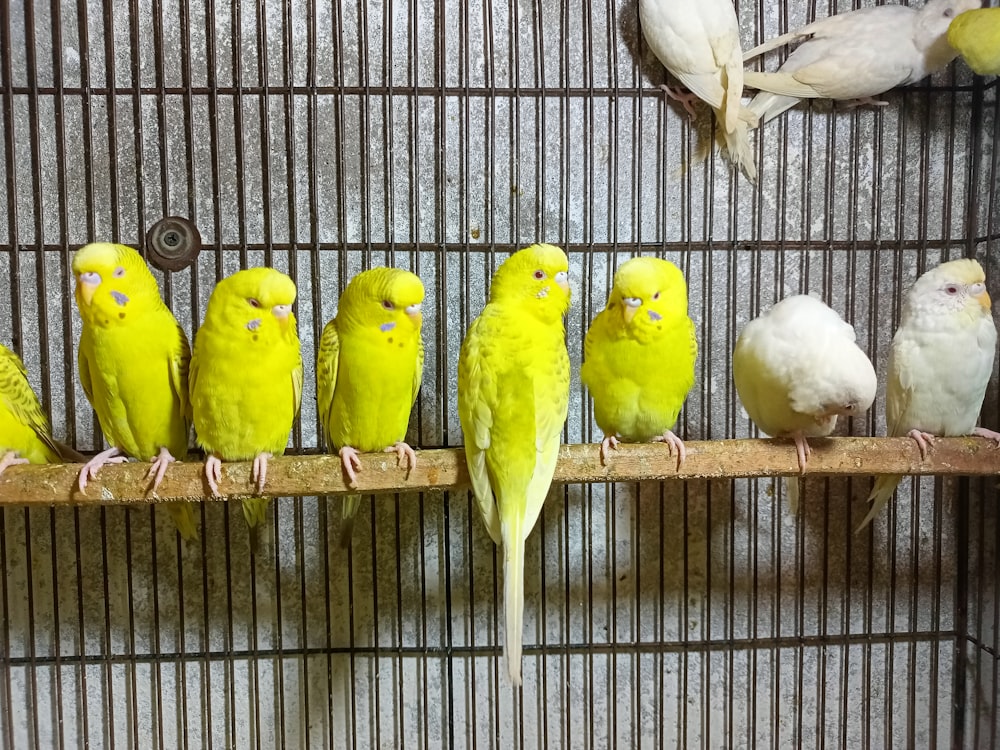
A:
[(767, 106), (735, 147), (351, 503), (792, 490), (880, 495), (255, 512), (183, 515), (513, 591)]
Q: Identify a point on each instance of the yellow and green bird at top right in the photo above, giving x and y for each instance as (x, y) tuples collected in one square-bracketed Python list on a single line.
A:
[(975, 34), (639, 356)]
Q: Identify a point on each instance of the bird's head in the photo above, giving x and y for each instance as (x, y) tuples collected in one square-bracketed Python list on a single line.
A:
[(931, 24), (957, 287), (535, 278), (647, 292), (256, 302), (113, 283), (388, 298)]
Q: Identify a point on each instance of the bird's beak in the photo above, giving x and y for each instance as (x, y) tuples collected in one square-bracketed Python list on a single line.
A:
[(630, 306), (86, 286), (413, 311), (562, 279), (983, 298), (282, 313)]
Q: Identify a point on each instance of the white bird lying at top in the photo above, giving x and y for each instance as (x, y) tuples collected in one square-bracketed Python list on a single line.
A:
[(856, 55), (698, 41)]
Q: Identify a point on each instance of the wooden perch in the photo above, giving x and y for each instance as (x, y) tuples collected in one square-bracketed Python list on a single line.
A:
[(444, 469)]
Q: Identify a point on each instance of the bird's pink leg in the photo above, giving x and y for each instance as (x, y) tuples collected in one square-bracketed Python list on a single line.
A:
[(802, 450), (10, 458), (980, 431), (352, 464), (159, 467), (90, 469), (213, 473), (672, 442), (405, 455), (610, 442), (259, 471), (686, 100), (924, 441)]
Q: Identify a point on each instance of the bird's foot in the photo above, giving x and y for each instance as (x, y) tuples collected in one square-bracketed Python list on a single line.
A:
[(866, 101), (610, 442), (924, 441), (980, 431), (259, 472), (686, 100), (10, 458), (159, 468), (352, 464), (405, 455), (90, 469), (802, 450), (672, 442), (213, 473)]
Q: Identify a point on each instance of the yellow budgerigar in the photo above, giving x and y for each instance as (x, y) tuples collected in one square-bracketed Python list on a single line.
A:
[(976, 36), (133, 362), (25, 437), (513, 394), (246, 378), (368, 371), (639, 356)]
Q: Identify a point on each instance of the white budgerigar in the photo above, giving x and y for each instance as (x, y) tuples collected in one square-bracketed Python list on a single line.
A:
[(856, 55), (797, 368), (698, 41), (939, 363)]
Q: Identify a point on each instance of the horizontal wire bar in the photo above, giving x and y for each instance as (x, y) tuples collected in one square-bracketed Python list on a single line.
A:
[(445, 469), (762, 643)]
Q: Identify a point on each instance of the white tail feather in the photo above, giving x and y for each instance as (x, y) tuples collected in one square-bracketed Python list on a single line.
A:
[(880, 495), (513, 593)]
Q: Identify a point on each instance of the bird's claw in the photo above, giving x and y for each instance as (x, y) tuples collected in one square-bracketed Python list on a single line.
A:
[(802, 451), (259, 472), (924, 441), (158, 469), (405, 455), (610, 442), (684, 99), (10, 458), (672, 442), (213, 474), (352, 464), (980, 431), (90, 469)]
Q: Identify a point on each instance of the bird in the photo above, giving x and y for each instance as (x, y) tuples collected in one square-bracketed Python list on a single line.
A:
[(25, 435), (940, 363), (133, 359), (856, 55), (698, 41), (246, 378), (797, 369), (368, 372), (639, 356), (975, 34), (513, 397)]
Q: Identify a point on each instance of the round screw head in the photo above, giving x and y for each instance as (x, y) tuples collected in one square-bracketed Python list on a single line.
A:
[(173, 243)]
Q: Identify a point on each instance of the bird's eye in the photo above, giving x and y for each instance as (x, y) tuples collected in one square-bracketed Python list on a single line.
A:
[(387, 304), (119, 272), (948, 12), (254, 302), (539, 275), (656, 296), (951, 288)]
